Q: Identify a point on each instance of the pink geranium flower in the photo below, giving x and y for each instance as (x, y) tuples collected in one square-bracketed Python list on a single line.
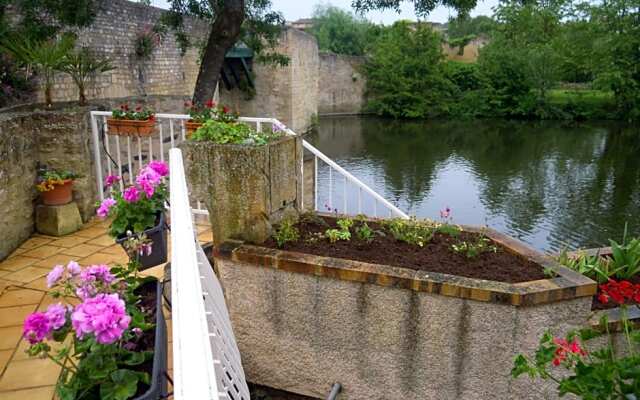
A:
[(111, 180), (103, 316), (105, 207), (160, 167), (57, 314), (37, 327), (55, 275), (131, 194)]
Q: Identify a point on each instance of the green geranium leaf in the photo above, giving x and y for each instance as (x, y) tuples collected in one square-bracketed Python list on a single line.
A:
[(123, 385)]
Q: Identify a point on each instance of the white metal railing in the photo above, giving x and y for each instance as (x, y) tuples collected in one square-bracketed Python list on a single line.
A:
[(347, 179), (125, 155), (206, 359)]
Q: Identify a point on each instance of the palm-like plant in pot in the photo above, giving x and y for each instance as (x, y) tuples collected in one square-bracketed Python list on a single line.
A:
[(138, 212)]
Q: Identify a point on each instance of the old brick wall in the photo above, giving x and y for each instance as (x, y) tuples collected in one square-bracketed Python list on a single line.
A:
[(341, 84), (113, 34)]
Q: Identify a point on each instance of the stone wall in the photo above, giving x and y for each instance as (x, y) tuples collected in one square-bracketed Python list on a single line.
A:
[(56, 139), (288, 93), (113, 34), (291, 93), (341, 84), (17, 174), (59, 138)]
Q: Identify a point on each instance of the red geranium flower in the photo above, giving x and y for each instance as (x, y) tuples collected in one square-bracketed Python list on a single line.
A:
[(209, 103), (225, 109)]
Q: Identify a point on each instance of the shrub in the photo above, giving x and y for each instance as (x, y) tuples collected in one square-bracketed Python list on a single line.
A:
[(233, 133)]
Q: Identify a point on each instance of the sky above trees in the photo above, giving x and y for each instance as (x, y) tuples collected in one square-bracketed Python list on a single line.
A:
[(296, 9)]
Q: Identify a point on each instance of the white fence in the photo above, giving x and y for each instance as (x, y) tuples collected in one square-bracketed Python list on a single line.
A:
[(125, 155), (206, 360)]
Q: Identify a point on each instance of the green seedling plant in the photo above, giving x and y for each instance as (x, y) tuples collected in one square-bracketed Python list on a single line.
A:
[(474, 249), (411, 231), (625, 257), (286, 232), (365, 233), (592, 266), (340, 234)]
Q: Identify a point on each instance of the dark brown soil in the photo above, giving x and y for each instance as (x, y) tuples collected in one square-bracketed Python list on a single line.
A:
[(597, 305), (435, 256)]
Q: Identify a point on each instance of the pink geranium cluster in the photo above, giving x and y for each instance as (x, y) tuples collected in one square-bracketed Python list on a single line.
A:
[(40, 325), (147, 182), (101, 312), (103, 315)]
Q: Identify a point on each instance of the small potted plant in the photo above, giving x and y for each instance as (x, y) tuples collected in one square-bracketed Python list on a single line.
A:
[(138, 214), (131, 122), (112, 342), (55, 186), (210, 111)]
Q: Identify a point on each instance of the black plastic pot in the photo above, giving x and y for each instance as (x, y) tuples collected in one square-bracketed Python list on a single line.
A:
[(158, 387), (158, 235)]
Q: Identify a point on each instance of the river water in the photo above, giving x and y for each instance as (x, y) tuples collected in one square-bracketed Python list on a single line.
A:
[(549, 184)]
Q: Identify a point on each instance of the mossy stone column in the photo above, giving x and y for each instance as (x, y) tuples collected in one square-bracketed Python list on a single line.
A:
[(245, 188)]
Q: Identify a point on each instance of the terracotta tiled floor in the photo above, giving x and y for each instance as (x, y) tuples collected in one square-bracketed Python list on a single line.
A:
[(23, 291)]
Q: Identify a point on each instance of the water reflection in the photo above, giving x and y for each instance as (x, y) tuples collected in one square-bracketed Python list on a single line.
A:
[(547, 183)]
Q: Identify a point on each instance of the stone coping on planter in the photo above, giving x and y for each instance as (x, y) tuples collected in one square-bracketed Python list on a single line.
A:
[(614, 315), (566, 285)]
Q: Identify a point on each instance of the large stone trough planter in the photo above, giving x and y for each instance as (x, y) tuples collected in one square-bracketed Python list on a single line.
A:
[(303, 322), (246, 188)]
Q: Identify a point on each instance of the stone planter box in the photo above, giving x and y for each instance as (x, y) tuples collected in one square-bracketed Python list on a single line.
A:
[(130, 127), (303, 322), (245, 188), (159, 244), (190, 127)]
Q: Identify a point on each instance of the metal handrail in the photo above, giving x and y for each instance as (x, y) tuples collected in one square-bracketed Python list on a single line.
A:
[(354, 180), (128, 143)]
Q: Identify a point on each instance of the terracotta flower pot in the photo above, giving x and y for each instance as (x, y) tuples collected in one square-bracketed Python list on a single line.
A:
[(130, 127), (60, 195), (191, 127)]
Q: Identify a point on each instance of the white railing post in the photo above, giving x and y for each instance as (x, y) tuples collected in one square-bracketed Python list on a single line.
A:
[(95, 138), (193, 369)]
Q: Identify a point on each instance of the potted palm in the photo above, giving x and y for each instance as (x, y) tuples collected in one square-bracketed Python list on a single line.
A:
[(111, 339), (80, 65), (126, 121), (55, 186), (138, 214), (45, 56), (199, 115)]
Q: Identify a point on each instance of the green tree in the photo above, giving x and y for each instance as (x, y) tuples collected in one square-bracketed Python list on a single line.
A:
[(251, 21), (617, 23), (341, 32), (422, 7), (405, 73)]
